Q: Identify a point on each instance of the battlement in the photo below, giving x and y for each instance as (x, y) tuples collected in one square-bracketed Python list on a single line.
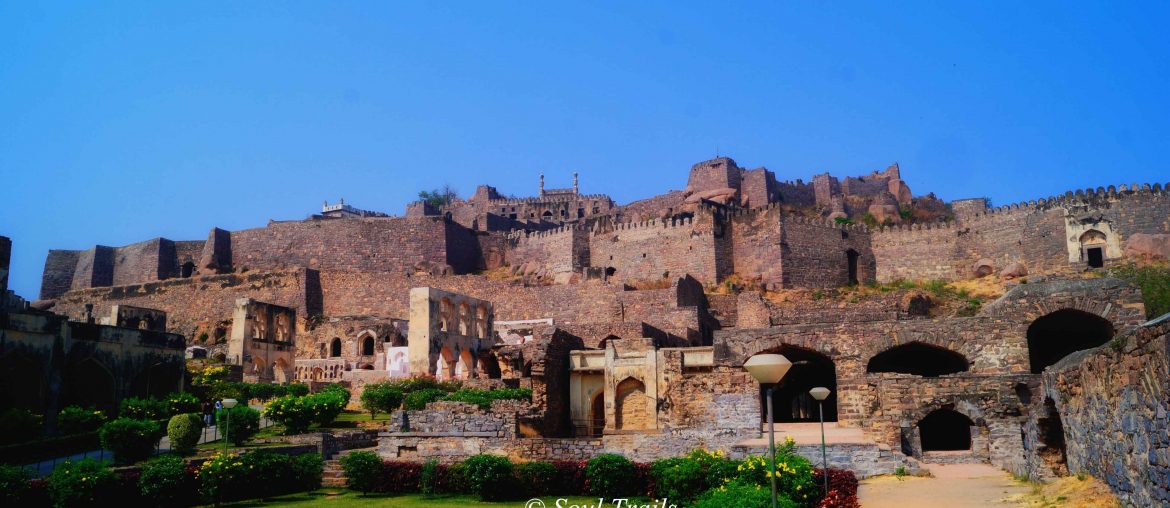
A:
[(552, 196)]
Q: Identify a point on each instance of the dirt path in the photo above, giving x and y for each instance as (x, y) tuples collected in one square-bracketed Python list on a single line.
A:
[(953, 486)]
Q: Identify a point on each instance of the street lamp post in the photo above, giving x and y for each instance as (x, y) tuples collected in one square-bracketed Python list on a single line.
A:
[(821, 393), (228, 404), (769, 369)]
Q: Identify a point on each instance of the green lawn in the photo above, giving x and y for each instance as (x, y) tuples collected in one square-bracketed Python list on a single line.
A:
[(349, 419), (332, 498)]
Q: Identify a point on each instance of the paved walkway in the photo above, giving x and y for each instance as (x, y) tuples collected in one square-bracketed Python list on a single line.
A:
[(953, 486)]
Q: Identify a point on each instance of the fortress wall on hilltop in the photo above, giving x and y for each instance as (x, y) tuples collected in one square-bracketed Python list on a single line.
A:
[(57, 278), (648, 250), (815, 253), (755, 239), (562, 250), (371, 244)]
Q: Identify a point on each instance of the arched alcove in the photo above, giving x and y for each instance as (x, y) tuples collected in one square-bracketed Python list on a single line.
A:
[(851, 265), (335, 348), (89, 383), (945, 430), (1093, 248), (368, 346), (490, 366), (1061, 333), (630, 405), (791, 401), (918, 359)]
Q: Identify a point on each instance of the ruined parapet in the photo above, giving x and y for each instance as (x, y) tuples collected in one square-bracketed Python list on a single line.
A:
[(967, 208), (142, 318), (421, 209), (217, 253), (447, 333), (263, 341)]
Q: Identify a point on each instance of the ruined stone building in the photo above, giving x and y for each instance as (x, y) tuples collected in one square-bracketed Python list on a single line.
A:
[(631, 323)]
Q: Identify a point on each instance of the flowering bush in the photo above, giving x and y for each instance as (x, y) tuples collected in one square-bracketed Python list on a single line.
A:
[(130, 440), (221, 476), (327, 404), (75, 420), (294, 413), (144, 409), (166, 481), (83, 483), (211, 374), (794, 476), (424, 382), (737, 494), (244, 424), (182, 402)]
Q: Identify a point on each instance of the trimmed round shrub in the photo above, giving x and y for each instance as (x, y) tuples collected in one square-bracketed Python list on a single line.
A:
[(418, 400), (86, 482), (19, 425), (741, 495), (490, 476), (184, 430), (609, 475), (537, 478), (182, 402), (13, 485), (75, 420), (144, 409), (244, 423), (294, 413), (381, 398), (130, 440), (362, 470), (165, 481)]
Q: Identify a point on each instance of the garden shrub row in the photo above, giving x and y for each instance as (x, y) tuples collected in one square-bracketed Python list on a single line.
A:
[(166, 480), (700, 478), (297, 413)]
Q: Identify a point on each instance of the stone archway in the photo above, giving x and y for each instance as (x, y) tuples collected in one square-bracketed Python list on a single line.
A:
[(945, 430), (89, 383), (335, 348), (791, 401), (631, 408), (918, 359), (1061, 333)]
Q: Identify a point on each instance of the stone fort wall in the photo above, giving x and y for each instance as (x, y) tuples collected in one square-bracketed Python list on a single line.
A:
[(1032, 233)]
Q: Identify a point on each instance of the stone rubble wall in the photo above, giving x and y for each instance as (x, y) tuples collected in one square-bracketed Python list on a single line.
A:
[(1114, 403)]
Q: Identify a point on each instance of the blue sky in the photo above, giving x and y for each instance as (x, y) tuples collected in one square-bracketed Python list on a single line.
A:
[(128, 122)]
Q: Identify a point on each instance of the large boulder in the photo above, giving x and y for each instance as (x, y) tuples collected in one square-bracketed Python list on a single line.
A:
[(1014, 270), (900, 191), (983, 267), (717, 195), (1149, 246)]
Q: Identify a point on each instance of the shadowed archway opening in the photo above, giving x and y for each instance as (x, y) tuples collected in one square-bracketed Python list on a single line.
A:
[(368, 346), (918, 359), (335, 348), (1050, 433), (89, 383), (791, 401), (1061, 333), (597, 414), (851, 265), (945, 430), (490, 366), (157, 381)]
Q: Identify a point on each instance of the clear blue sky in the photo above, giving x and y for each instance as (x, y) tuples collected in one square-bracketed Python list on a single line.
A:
[(119, 124)]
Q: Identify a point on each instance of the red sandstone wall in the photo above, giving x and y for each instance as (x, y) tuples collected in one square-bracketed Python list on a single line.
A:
[(814, 253)]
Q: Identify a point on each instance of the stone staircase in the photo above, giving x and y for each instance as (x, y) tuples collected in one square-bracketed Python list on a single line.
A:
[(333, 475)]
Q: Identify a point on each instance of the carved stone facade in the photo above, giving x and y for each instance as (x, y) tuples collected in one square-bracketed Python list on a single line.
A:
[(263, 341)]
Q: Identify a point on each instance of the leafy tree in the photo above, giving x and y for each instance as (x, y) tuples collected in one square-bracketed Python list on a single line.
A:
[(438, 197)]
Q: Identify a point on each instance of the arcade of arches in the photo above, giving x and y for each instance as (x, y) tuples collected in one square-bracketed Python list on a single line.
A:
[(1061, 333)]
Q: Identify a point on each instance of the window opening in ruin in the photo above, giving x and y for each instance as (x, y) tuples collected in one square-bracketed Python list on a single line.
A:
[(1096, 257), (580, 213), (851, 259), (368, 346), (547, 214), (945, 430), (335, 348), (490, 366), (631, 410), (597, 414), (1061, 333), (918, 359), (609, 271), (1050, 432), (791, 401), (1024, 393), (187, 269)]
